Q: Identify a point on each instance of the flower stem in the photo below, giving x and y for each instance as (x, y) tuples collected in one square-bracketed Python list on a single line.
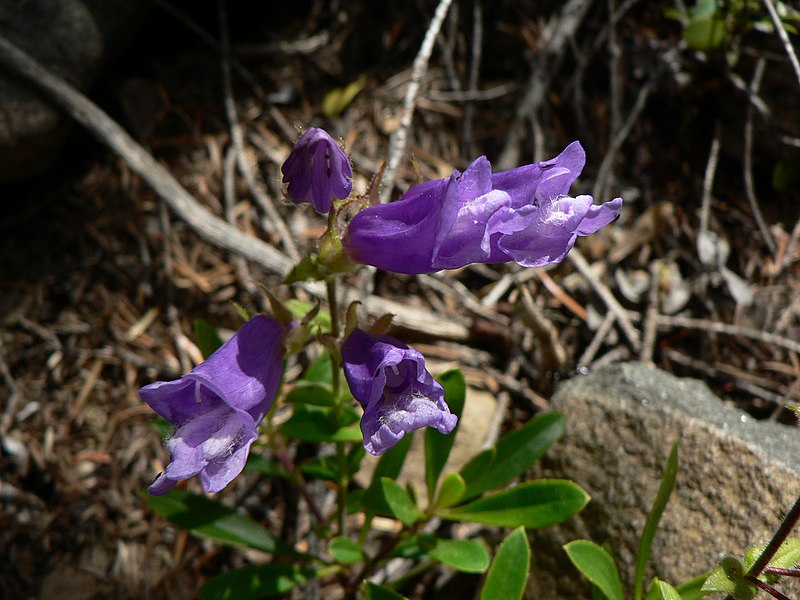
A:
[(782, 572), (766, 587), (786, 526), (341, 455)]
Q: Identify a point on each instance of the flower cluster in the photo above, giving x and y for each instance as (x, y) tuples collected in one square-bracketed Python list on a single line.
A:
[(523, 215)]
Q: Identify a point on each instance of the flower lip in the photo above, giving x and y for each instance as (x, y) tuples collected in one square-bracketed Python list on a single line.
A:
[(216, 408), (523, 214), (398, 393)]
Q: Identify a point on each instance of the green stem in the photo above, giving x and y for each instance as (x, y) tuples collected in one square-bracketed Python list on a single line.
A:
[(341, 454), (786, 526)]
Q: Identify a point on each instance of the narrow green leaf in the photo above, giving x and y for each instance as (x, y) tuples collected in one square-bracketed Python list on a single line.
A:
[(309, 313), (373, 591), (387, 497), (597, 566), (693, 589), (255, 582), (320, 371), (209, 519), (705, 34), (258, 464), (345, 551), (653, 519), (667, 591), (308, 269), (787, 556), (310, 392), (438, 445), (514, 454), (451, 490), (728, 577), (508, 574), (391, 462), (653, 592), (467, 556), (335, 101), (319, 424), (533, 504), (206, 337)]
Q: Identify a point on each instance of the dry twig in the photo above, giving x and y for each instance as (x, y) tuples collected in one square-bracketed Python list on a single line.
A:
[(397, 143), (755, 84), (781, 31), (608, 298)]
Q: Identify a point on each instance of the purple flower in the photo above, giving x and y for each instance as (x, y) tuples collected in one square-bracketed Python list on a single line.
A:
[(397, 392), (217, 407), (317, 170), (477, 216)]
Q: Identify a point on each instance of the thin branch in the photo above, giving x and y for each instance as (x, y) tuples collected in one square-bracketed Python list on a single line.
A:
[(88, 114), (668, 322), (781, 31), (275, 221), (397, 143), (708, 180), (755, 84), (608, 298), (206, 225), (599, 337), (606, 167), (474, 72), (558, 31)]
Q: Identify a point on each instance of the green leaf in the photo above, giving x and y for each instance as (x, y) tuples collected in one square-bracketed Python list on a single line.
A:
[(209, 519), (387, 497), (787, 556), (206, 337), (653, 519), (438, 445), (345, 551), (597, 566), (335, 101), (667, 591), (508, 575), (252, 583), (705, 33), (307, 269), (320, 371), (391, 462), (514, 454), (259, 464), (319, 424), (693, 589), (373, 591), (467, 556), (451, 491), (533, 504), (310, 392), (728, 577), (300, 310)]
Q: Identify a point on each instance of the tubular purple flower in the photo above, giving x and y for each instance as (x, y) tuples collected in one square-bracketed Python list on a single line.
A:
[(477, 216), (397, 392), (317, 171), (217, 407)]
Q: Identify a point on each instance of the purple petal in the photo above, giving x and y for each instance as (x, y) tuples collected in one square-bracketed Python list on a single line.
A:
[(317, 170), (217, 407), (398, 393), (400, 236)]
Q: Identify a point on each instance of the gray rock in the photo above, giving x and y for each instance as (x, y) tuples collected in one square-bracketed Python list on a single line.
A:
[(71, 38), (737, 476)]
